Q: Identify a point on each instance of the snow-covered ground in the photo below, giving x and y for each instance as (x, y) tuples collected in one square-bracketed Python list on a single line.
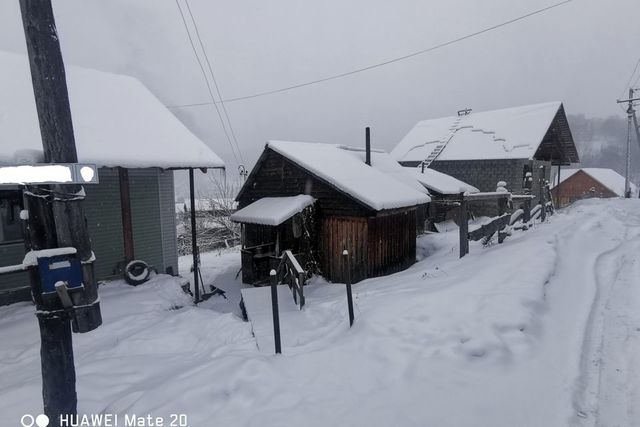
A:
[(543, 330)]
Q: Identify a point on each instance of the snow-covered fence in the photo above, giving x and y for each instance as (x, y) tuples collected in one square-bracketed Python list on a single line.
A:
[(489, 229), (502, 196)]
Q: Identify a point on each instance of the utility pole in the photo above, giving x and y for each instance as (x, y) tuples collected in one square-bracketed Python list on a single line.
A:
[(630, 120), (56, 215)]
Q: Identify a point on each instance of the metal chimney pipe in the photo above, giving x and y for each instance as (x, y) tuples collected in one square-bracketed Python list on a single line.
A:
[(368, 146)]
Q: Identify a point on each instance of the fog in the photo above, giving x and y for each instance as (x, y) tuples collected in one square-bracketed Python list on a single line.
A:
[(581, 53)]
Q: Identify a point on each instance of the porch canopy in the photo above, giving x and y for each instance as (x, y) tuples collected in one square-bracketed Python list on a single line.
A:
[(272, 211)]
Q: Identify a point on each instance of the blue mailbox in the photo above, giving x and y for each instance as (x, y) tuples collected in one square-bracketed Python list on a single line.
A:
[(59, 268)]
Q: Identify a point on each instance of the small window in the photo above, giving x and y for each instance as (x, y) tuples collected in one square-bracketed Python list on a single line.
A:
[(10, 207)]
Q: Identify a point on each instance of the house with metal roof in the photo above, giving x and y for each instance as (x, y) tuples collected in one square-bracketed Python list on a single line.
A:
[(484, 148), (122, 128), (317, 200)]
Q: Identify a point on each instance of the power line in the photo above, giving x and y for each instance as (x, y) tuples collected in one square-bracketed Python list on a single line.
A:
[(206, 79), (628, 85), (384, 63), (215, 83)]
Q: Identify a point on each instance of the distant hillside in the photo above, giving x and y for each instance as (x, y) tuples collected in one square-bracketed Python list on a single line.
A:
[(602, 143)]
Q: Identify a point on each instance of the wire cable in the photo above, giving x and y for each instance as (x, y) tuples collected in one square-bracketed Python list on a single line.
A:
[(384, 63), (215, 83), (204, 74), (628, 85)]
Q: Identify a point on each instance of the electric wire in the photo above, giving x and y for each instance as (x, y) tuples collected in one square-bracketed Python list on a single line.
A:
[(204, 74), (215, 83), (384, 63), (633, 73)]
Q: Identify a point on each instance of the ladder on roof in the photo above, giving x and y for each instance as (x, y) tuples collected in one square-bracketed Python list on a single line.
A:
[(442, 143)]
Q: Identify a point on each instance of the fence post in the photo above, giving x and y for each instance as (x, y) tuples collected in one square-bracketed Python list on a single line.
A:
[(301, 288), (347, 266), (274, 307), (464, 227)]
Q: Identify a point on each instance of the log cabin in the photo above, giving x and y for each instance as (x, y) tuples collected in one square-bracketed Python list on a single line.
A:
[(320, 199)]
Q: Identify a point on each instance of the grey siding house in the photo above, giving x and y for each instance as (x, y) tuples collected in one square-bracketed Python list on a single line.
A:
[(484, 148), (137, 144)]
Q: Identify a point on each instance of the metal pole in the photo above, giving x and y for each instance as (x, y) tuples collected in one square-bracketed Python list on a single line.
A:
[(347, 267), (274, 308), (627, 186), (194, 241), (367, 133)]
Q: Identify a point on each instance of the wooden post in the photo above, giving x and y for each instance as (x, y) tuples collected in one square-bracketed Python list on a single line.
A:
[(558, 187), (194, 239), (301, 284), (69, 225), (347, 274), (125, 209), (463, 221), (274, 309)]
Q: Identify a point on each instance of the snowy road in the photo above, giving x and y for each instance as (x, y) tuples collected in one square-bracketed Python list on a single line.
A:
[(543, 330)]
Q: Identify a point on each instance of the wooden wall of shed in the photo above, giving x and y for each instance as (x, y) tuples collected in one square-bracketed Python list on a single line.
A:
[(377, 246), (256, 234), (392, 243), (338, 234), (277, 176)]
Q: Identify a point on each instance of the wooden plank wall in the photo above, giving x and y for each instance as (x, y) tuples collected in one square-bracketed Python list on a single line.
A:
[(392, 243), (338, 234)]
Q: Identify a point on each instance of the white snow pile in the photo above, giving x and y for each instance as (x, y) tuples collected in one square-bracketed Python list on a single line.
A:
[(272, 210), (542, 330), (440, 182), (509, 133), (117, 121), (607, 177), (345, 169)]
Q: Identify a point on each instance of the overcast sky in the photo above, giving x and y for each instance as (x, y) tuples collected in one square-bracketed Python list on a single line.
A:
[(581, 53)]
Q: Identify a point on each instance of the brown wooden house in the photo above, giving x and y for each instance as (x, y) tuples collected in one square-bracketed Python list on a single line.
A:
[(323, 199), (585, 183)]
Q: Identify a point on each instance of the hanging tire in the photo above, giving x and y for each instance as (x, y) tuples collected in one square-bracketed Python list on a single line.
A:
[(136, 272)]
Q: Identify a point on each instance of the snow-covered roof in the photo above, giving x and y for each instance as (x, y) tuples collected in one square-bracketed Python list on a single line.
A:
[(510, 133), (272, 210), (439, 182), (383, 185), (117, 121), (607, 177)]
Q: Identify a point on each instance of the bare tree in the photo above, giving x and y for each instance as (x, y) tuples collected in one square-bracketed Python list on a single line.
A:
[(214, 228)]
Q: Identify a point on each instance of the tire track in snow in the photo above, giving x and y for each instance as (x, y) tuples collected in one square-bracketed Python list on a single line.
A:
[(601, 396)]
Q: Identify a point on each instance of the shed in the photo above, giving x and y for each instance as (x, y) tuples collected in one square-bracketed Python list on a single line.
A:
[(585, 183), (134, 140), (446, 193), (484, 148), (369, 210)]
